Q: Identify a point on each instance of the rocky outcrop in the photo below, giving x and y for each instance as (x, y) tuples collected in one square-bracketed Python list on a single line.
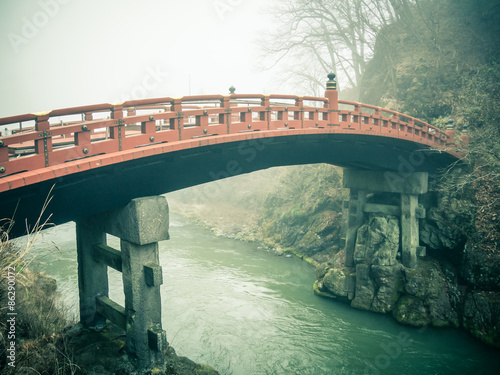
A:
[(482, 316), (378, 273), (430, 294), (480, 268), (426, 299), (437, 236)]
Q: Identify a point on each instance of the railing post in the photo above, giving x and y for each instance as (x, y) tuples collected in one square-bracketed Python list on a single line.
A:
[(131, 111), (357, 116), (266, 103), (4, 156), (225, 117), (332, 95), (465, 136), (299, 115), (410, 125), (83, 139), (377, 119), (395, 121), (178, 121), (117, 131), (450, 131), (44, 144)]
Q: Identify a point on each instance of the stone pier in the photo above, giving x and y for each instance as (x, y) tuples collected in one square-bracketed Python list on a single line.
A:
[(363, 182), (140, 225)]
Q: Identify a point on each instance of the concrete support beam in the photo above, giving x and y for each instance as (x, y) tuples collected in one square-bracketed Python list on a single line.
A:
[(391, 182), (112, 311), (384, 209), (139, 225), (109, 256), (142, 221), (357, 200)]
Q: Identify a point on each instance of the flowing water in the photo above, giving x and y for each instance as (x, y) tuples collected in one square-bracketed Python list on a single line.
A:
[(245, 311)]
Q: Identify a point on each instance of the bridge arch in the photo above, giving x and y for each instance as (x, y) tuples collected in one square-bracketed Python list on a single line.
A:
[(95, 158), (77, 195)]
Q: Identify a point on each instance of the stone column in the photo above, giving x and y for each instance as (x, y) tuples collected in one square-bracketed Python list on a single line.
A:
[(92, 275), (140, 225), (357, 199), (142, 277), (409, 230)]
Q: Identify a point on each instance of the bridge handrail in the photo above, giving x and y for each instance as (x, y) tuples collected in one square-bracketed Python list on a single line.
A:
[(191, 117), (394, 113)]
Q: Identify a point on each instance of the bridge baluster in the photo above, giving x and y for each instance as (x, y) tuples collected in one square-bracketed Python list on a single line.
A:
[(131, 111), (178, 121), (410, 128), (225, 118), (148, 127), (266, 115), (4, 155), (43, 146), (450, 131), (299, 114), (202, 121), (83, 140), (465, 137), (116, 131), (377, 119)]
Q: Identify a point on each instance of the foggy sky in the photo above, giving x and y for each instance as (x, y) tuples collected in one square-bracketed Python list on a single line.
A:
[(62, 53)]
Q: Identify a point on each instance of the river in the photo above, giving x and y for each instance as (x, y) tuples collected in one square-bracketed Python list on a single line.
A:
[(245, 311)]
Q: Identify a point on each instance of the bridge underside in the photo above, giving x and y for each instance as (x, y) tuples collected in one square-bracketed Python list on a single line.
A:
[(86, 193)]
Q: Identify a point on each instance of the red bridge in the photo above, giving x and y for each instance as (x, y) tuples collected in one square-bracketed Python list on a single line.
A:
[(98, 157)]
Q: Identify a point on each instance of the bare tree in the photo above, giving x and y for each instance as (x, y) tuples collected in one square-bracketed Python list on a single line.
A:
[(318, 36)]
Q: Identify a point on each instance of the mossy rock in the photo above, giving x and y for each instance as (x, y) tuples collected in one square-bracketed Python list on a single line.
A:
[(482, 316), (410, 310), (319, 290)]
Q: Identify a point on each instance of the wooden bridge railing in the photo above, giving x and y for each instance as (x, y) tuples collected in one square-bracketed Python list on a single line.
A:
[(64, 135)]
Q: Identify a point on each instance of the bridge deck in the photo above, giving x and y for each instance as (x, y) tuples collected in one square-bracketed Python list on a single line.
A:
[(70, 140), (96, 158)]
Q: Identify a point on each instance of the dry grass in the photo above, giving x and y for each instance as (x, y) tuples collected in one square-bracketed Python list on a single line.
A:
[(40, 321)]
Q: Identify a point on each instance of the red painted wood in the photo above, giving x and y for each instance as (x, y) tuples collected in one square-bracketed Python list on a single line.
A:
[(154, 126)]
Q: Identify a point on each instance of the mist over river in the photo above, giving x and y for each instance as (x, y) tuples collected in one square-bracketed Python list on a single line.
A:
[(243, 310)]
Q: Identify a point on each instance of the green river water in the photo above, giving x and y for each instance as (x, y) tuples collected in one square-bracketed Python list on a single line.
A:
[(245, 311)]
